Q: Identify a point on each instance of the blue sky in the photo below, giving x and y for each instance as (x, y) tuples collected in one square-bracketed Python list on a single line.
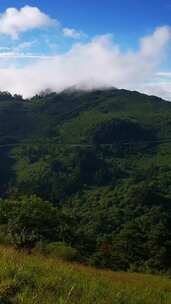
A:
[(97, 17), (110, 29), (123, 17)]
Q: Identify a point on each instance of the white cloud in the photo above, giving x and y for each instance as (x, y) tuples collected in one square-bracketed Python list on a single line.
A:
[(72, 33), (25, 45), (14, 21), (164, 74), (153, 44), (161, 89), (98, 63), (20, 55), (4, 48)]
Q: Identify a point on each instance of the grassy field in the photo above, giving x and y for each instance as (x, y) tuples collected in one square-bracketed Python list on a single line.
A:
[(32, 279)]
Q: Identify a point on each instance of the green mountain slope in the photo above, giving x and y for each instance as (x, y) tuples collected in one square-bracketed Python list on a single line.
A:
[(109, 128), (103, 158)]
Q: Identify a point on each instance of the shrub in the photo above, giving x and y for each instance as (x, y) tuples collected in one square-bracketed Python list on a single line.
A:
[(61, 250)]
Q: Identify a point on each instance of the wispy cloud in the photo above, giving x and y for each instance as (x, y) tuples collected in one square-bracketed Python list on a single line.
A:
[(163, 74), (4, 48), (19, 55), (73, 33)]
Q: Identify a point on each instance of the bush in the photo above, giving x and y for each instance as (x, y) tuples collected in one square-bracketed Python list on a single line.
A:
[(4, 238), (61, 250)]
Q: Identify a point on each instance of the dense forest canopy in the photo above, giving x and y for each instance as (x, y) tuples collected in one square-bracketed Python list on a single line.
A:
[(99, 165)]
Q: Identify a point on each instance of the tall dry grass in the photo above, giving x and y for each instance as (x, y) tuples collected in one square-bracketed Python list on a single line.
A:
[(33, 279)]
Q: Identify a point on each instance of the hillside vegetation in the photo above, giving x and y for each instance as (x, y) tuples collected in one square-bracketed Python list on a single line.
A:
[(91, 170), (27, 279)]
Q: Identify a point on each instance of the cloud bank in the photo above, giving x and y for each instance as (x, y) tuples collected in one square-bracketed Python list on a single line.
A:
[(95, 64)]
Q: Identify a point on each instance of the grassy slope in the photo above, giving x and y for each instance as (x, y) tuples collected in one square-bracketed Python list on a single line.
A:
[(36, 279)]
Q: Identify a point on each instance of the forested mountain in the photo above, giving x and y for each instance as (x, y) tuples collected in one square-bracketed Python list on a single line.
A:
[(103, 161)]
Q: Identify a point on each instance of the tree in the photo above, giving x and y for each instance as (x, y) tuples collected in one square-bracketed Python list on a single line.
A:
[(28, 220)]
